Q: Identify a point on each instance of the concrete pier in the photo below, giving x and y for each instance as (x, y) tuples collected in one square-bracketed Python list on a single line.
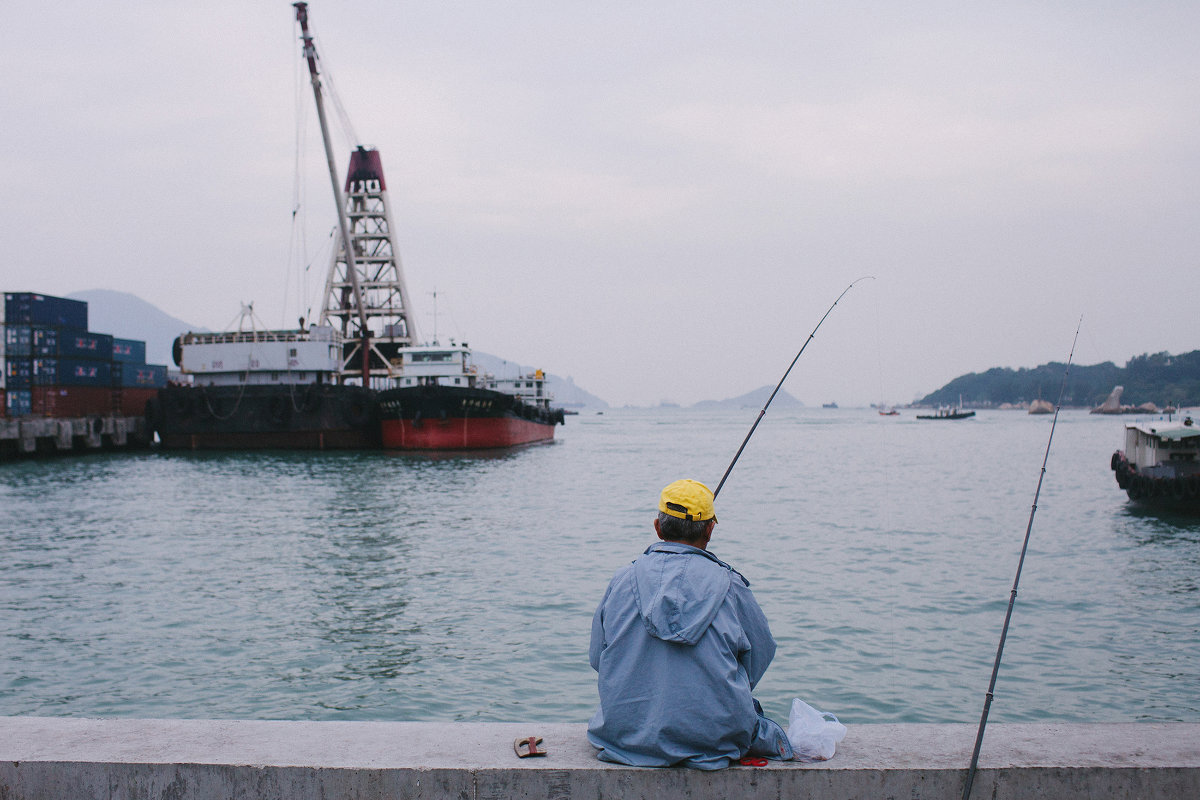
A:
[(32, 436), (42, 758)]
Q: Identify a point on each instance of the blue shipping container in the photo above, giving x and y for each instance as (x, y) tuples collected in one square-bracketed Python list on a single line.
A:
[(71, 372), (18, 341), (77, 372), (45, 371), (129, 351), (42, 309), (18, 308), (45, 341), (146, 376), (19, 403), (85, 344), (18, 373), (53, 342)]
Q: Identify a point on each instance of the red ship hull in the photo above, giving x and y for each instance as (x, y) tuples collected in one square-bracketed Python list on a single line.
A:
[(462, 433), (436, 417)]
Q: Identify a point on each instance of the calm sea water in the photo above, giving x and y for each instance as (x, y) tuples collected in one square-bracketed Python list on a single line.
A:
[(357, 586)]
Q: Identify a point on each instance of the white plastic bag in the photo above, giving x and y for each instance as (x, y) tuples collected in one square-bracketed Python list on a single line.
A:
[(814, 734)]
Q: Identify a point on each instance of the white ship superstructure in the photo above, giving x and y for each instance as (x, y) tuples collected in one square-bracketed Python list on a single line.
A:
[(262, 357)]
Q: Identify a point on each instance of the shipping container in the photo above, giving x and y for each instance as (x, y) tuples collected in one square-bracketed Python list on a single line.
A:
[(18, 308), (50, 342), (45, 341), (132, 402), (150, 376), (18, 373), (18, 403), (71, 372), (44, 372), (85, 344), (71, 401), (129, 351), (41, 309), (18, 341)]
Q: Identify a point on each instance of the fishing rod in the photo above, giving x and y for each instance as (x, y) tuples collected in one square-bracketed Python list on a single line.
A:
[(1012, 598), (780, 384)]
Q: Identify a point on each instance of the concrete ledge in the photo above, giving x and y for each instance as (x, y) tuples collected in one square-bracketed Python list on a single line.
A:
[(202, 759)]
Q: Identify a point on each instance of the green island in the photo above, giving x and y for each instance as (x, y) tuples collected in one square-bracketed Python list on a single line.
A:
[(1159, 378)]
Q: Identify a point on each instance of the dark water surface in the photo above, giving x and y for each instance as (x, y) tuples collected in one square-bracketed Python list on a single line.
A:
[(369, 586)]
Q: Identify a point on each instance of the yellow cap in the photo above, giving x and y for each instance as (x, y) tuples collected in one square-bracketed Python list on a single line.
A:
[(687, 499)]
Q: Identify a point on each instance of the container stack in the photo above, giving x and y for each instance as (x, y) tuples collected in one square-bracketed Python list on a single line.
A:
[(53, 366)]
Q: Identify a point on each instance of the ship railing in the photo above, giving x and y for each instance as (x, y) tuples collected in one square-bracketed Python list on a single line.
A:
[(254, 337)]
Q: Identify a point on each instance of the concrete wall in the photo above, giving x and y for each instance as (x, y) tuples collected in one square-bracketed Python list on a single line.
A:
[(203, 759)]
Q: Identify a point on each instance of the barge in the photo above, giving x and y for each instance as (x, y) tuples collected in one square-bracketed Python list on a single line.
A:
[(359, 378)]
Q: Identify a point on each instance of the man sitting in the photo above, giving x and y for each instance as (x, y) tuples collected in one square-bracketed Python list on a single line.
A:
[(679, 642)]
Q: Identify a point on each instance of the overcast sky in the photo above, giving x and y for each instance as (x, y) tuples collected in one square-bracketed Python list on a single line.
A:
[(659, 199)]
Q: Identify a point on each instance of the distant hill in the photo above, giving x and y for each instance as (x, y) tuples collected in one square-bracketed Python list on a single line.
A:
[(754, 399), (566, 393), (1161, 378), (127, 316)]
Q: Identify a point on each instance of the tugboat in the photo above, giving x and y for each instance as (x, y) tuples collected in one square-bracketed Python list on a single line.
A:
[(443, 403), (1160, 466)]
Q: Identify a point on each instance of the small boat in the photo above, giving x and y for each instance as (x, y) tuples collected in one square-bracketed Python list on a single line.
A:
[(949, 412), (1160, 466), (888, 412), (829, 405)]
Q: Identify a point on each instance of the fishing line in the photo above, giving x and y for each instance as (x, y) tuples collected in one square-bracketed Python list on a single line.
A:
[(888, 485), (780, 384), (1012, 598)]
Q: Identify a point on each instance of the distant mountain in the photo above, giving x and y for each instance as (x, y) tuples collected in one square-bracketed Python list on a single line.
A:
[(1161, 378), (566, 393), (128, 316), (754, 399)]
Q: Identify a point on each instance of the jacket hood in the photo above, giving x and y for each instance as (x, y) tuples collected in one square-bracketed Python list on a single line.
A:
[(679, 590)]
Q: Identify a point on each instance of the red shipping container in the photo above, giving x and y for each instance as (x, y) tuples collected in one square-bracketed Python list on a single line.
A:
[(72, 401), (132, 401)]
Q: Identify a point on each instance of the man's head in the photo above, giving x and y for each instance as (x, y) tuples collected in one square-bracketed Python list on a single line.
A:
[(685, 513)]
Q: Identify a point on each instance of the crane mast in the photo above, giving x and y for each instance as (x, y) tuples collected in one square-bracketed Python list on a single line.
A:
[(365, 293)]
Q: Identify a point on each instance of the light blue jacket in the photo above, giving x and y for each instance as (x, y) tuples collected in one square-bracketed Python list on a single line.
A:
[(679, 642)]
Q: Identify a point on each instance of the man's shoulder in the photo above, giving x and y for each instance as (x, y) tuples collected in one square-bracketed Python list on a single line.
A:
[(622, 574)]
